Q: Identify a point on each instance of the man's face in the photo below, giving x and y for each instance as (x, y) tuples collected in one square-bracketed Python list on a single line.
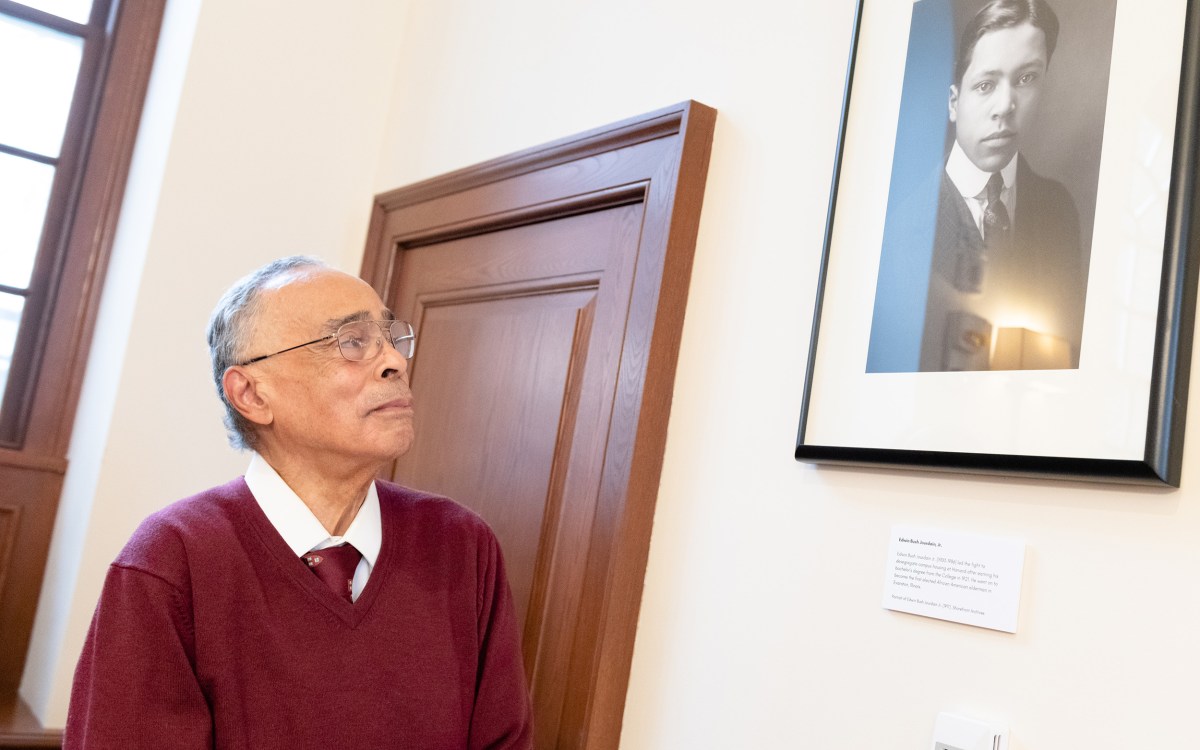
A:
[(999, 94), (325, 408)]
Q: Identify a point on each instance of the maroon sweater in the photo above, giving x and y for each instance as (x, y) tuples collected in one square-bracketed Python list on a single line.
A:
[(210, 633)]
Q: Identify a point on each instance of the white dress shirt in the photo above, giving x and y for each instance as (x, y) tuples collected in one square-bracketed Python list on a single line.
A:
[(302, 531), (971, 183)]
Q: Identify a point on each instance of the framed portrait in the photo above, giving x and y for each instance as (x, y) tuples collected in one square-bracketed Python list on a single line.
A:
[(1008, 277)]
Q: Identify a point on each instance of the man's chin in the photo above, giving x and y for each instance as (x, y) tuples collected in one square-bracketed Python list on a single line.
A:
[(385, 447), (991, 160), (400, 446)]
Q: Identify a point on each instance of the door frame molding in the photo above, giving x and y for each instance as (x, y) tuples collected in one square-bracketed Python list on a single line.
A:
[(671, 187)]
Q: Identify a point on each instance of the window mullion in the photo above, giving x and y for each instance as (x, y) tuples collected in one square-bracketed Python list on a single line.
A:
[(49, 20), (30, 155)]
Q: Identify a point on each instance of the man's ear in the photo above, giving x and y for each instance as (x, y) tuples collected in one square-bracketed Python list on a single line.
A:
[(242, 390), (953, 105)]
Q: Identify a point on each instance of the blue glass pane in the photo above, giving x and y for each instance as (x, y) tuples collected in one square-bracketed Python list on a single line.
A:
[(10, 319), (38, 68), (24, 193), (72, 10)]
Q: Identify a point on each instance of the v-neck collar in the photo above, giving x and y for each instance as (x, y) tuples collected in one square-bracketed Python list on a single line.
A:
[(301, 531), (291, 567)]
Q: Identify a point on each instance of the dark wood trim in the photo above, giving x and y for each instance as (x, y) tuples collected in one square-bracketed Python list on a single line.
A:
[(28, 460), (32, 469), (22, 731), (662, 124), (94, 225), (602, 651), (611, 652), (71, 161), (10, 521), (612, 197)]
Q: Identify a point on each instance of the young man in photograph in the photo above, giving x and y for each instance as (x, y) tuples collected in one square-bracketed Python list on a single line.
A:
[(1007, 242)]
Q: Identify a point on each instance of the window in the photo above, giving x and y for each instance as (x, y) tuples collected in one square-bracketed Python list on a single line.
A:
[(51, 56), (73, 74)]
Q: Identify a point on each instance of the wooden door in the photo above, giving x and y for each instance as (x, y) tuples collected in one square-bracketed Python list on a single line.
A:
[(547, 290)]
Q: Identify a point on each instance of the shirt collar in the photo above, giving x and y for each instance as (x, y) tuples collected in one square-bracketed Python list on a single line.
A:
[(300, 529), (970, 180)]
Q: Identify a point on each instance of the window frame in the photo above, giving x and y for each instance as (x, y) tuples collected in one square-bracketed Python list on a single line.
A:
[(53, 247), (54, 340)]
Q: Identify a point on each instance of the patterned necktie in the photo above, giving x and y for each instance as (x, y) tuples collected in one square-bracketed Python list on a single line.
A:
[(335, 566), (995, 216)]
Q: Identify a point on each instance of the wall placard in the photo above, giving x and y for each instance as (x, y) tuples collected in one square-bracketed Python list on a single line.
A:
[(967, 578)]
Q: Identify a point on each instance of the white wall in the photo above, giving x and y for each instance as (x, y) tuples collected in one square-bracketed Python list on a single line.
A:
[(760, 625)]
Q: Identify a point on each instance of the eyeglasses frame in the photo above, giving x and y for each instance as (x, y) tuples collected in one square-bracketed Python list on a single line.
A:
[(383, 325)]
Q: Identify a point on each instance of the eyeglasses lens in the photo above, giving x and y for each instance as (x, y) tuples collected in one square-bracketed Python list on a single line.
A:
[(403, 338), (363, 339)]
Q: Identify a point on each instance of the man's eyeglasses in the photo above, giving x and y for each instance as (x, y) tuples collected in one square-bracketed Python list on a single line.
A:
[(362, 340)]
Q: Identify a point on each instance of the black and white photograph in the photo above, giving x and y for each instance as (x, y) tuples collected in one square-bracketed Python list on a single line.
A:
[(986, 246), (1007, 256)]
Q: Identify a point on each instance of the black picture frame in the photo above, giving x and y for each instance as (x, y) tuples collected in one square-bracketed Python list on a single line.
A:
[(1161, 460)]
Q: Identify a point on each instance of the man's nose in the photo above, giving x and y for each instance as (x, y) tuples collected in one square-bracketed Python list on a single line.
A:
[(1004, 102), (391, 362)]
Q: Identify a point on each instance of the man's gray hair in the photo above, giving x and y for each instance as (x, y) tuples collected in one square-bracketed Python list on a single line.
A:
[(229, 331)]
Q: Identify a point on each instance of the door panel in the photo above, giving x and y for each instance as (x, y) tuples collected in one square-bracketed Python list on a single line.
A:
[(479, 397), (547, 289), (518, 331)]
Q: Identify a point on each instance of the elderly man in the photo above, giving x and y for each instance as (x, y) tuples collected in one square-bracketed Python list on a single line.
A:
[(307, 604)]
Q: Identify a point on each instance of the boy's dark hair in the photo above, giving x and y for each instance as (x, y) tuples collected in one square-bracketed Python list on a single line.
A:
[(1005, 14)]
